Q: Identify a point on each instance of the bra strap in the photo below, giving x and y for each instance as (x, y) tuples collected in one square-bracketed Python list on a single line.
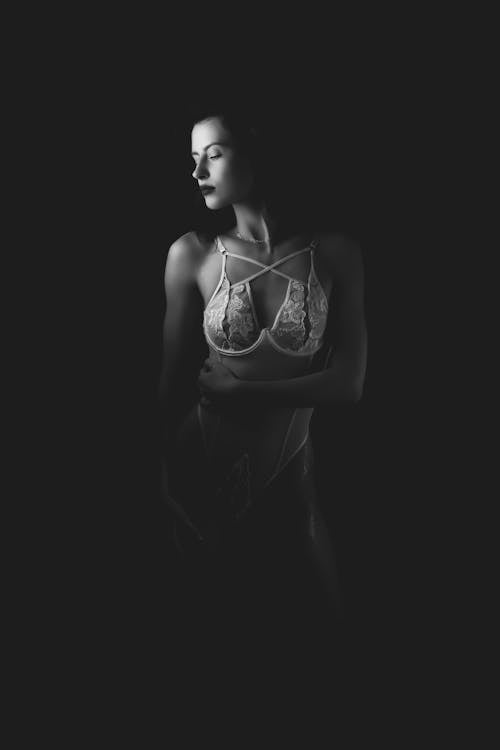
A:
[(220, 247), (314, 244)]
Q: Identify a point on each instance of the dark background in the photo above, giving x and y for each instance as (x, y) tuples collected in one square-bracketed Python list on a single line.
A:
[(351, 141), (367, 116)]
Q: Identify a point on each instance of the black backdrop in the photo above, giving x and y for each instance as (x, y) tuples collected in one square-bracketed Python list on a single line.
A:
[(364, 130)]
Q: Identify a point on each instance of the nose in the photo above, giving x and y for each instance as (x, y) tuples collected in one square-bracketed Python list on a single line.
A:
[(200, 170)]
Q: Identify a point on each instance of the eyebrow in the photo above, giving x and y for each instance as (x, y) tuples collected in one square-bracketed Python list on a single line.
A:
[(195, 153)]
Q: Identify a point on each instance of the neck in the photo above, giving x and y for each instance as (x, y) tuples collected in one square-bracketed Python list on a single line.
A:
[(253, 222)]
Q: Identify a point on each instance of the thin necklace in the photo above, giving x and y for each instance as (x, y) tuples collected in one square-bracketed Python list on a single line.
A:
[(250, 239)]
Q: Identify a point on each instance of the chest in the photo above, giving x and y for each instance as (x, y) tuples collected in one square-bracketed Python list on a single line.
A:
[(269, 290)]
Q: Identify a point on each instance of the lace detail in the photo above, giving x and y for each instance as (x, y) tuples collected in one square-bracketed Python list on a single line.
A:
[(214, 314), (317, 305), (291, 331), (240, 325), (235, 495), (318, 310), (229, 318)]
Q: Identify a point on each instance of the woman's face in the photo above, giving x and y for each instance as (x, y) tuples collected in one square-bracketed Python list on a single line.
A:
[(219, 164)]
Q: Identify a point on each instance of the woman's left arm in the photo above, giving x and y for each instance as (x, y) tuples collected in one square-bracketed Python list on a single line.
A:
[(342, 381)]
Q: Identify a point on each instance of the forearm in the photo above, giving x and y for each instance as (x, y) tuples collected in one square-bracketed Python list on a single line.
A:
[(336, 385)]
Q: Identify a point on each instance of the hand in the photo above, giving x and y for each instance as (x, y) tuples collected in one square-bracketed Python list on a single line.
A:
[(216, 382)]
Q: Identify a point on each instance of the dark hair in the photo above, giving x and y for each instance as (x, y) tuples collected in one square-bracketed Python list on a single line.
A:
[(288, 194), (245, 129)]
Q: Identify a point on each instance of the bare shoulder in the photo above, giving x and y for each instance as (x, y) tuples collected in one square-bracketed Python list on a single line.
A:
[(338, 247), (186, 249), (185, 255), (341, 255)]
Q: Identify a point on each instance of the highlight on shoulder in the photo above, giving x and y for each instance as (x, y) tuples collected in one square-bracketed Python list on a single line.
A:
[(193, 244), (187, 242), (184, 256)]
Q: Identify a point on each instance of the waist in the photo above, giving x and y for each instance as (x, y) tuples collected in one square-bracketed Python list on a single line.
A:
[(254, 415), (264, 362)]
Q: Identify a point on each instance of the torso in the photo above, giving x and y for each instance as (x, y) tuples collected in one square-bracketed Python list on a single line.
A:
[(269, 289), (268, 437)]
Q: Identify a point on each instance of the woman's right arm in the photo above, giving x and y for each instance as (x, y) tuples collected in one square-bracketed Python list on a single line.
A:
[(182, 331)]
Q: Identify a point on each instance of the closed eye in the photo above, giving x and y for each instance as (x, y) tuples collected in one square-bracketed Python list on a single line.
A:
[(212, 157)]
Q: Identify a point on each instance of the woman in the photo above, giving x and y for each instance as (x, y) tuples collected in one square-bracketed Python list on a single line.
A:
[(280, 307)]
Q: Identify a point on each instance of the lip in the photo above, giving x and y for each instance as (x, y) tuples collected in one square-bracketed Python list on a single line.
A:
[(207, 189)]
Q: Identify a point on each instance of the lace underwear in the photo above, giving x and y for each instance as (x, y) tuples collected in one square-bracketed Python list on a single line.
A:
[(227, 458), (230, 321)]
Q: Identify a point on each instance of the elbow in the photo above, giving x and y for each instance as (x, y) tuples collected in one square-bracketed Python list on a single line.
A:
[(357, 394), (354, 391), (358, 387), (345, 388), (350, 393)]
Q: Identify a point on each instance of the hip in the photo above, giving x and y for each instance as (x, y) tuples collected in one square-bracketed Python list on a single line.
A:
[(250, 522)]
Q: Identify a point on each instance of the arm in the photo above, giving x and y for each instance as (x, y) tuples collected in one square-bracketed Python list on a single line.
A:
[(181, 331), (342, 382)]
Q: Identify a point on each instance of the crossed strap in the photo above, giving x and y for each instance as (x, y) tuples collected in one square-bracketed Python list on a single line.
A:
[(265, 269)]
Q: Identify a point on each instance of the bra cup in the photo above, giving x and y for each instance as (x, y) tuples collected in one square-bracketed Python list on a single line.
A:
[(230, 324), (213, 317), (239, 451), (290, 332), (239, 323)]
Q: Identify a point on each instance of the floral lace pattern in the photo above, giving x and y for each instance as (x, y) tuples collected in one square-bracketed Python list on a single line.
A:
[(230, 322), (240, 326), (290, 333), (318, 311), (235, 494), (231, 501), (214, 316)]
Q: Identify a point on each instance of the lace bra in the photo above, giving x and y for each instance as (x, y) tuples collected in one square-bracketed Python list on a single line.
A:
[(230, 321)]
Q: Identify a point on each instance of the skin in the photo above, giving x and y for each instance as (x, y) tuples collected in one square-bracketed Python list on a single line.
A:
[(225, 168), (192, 272), (342, 381)]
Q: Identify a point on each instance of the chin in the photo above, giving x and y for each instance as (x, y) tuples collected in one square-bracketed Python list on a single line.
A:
[(214, 203)]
